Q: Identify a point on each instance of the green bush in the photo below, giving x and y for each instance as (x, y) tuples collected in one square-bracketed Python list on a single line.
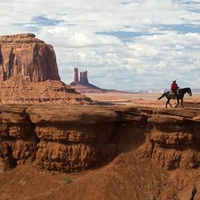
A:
[(66, 180)]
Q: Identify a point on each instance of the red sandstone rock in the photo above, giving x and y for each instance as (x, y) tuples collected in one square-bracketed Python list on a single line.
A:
[(74, 137), (160, 160), (23, 54), (20, 90), (29, 73)]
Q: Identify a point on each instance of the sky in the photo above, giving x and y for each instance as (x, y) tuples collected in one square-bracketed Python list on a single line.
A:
[(122, 44)]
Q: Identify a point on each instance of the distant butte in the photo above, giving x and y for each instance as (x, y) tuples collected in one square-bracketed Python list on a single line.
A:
[(82, 84), (29, 73)]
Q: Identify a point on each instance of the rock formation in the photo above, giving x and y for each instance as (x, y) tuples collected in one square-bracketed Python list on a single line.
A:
[(76, 79), (29, 73), (82, 85), (20, 90), (74, 138), (84, 78), (25, 55), (71, 138)]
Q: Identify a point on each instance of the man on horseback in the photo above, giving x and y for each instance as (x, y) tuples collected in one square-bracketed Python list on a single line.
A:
[(180, 95), (174, 88)]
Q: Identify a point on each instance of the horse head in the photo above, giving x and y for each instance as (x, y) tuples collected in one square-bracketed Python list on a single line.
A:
[(189, 91)]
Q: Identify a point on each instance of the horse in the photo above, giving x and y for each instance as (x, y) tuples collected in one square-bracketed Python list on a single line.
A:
[(180, 96)]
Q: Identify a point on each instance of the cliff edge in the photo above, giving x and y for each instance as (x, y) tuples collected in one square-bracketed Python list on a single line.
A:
[(115, 152)]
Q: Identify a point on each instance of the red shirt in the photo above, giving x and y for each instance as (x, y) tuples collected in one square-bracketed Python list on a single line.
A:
[(174, 86)]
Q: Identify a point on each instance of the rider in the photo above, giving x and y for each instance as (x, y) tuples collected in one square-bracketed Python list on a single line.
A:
[(174, 88)]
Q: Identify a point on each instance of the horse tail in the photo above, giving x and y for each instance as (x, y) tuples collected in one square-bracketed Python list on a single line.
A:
[(161, 96)]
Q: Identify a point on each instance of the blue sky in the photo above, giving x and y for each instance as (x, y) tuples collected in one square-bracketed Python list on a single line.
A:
[(123, 44)]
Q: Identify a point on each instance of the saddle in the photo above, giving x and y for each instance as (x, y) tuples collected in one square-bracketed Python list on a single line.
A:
[(171, 93)]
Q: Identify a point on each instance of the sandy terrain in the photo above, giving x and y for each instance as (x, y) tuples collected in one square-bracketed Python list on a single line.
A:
[(142, 99)]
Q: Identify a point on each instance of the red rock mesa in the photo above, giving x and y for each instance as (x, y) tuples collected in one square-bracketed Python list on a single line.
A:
[(29, 73)]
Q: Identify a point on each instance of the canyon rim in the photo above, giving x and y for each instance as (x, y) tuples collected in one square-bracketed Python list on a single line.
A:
[(56, 143)]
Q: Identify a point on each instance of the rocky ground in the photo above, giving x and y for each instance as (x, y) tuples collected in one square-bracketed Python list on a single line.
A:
[(126, 177)]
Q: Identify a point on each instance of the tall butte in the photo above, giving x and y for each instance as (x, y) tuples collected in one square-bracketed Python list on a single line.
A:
[(29, 73), (82, 85)]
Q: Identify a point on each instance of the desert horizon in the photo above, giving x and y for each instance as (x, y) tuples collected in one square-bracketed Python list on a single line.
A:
[(142, 99)]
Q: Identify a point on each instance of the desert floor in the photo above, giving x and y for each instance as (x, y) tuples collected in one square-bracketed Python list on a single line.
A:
[(145, 99)]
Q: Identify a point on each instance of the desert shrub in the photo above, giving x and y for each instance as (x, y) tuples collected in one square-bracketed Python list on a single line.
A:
[(66, 180)]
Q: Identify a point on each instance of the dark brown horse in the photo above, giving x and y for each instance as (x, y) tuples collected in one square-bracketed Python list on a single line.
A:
[(180, 96)]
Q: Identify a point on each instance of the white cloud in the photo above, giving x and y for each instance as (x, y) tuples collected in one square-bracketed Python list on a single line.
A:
[(165, 45)]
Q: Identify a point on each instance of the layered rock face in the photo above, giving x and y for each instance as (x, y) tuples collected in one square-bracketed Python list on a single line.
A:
[(23, 54), (61, 138), (29, 73), (20, 90), (74, 138), (173, 141)]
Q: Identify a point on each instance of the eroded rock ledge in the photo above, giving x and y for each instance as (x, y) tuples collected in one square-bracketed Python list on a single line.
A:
[(73, 138)]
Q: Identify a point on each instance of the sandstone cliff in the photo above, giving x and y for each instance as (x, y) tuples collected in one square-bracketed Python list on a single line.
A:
[(29, 73), (23, 54), (75, 138)]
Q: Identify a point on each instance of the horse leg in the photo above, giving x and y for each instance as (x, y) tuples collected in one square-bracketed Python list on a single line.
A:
[(177, 103), (168, 103), (182, 102)]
